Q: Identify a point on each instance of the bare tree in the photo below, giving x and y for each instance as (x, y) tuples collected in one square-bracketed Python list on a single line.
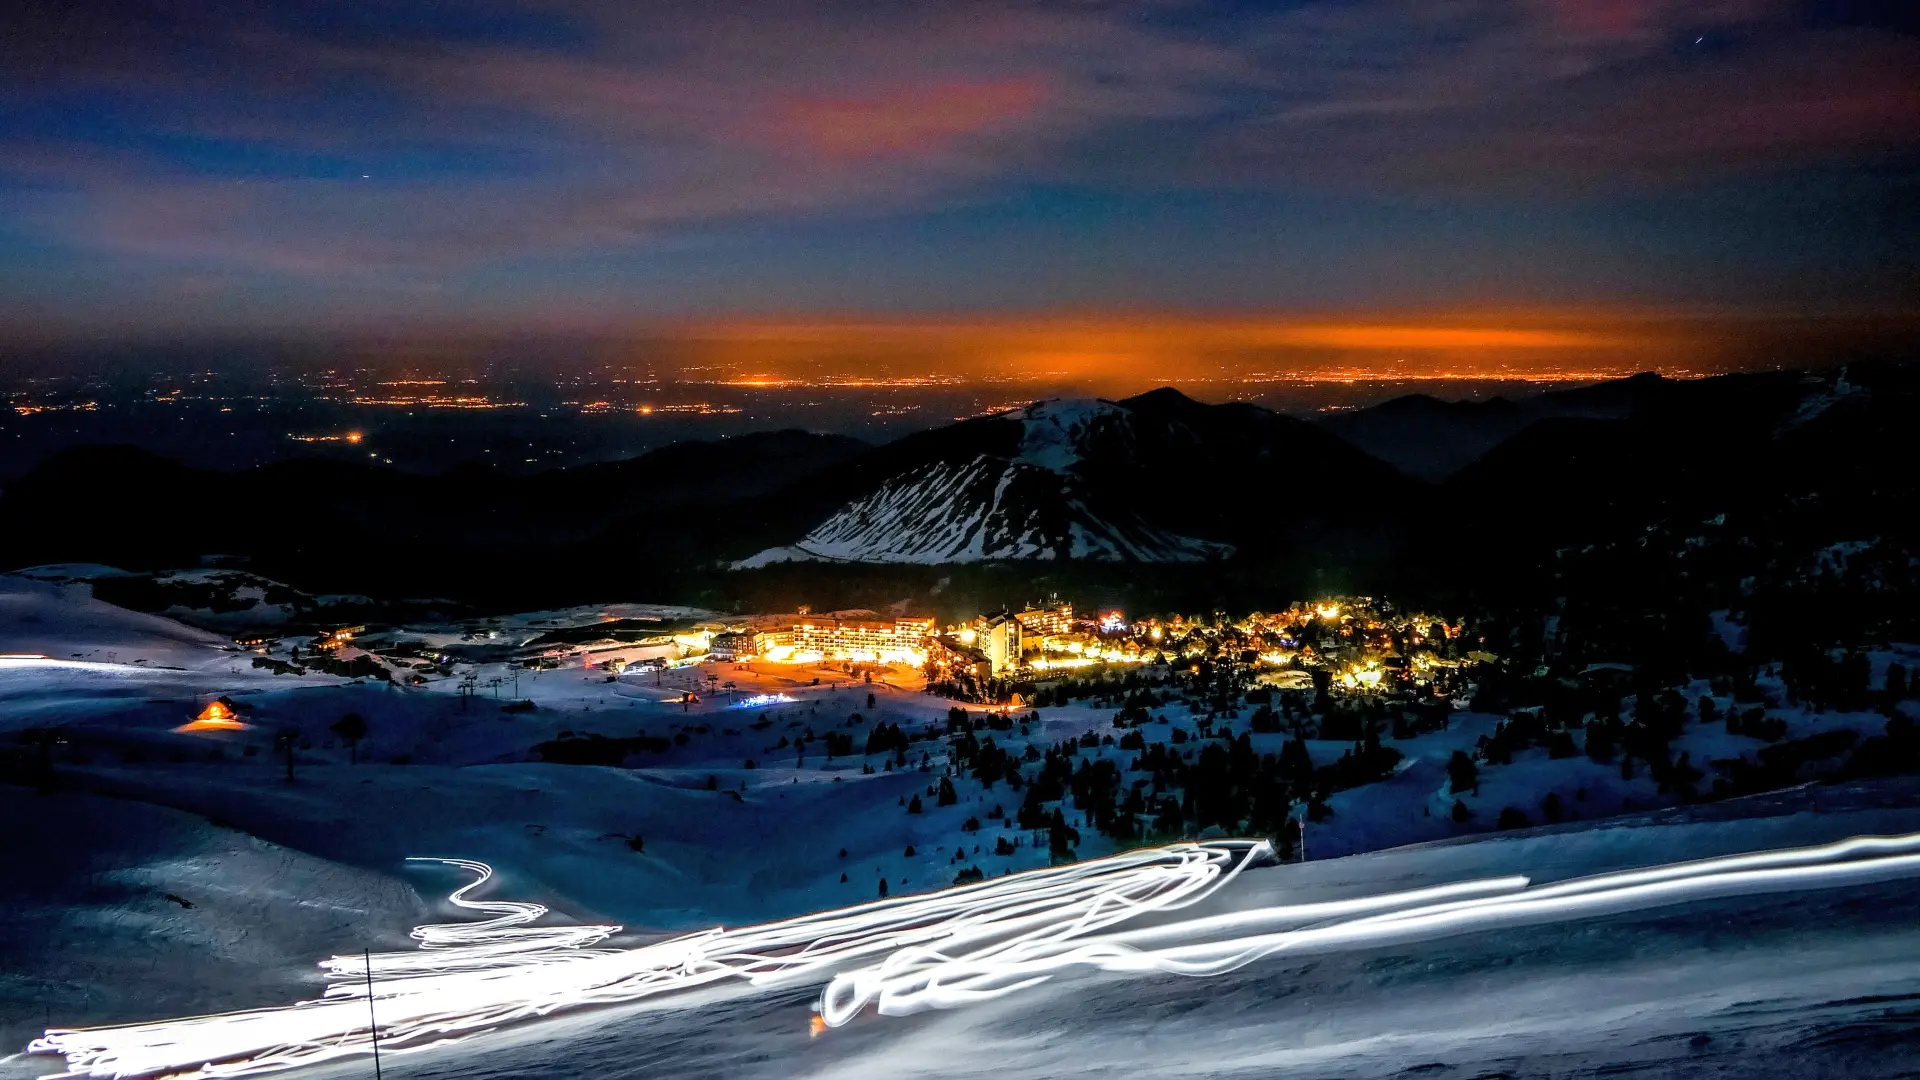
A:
[(351, 728), (286, 741)]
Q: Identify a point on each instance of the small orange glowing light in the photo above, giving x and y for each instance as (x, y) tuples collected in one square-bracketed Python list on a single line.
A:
[(217, 716), (646, 410), (353, 436), (815, 1026)]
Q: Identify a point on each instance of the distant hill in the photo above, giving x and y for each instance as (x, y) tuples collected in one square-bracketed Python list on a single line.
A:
[(334, 526), (1811, 458), (1433, 439)]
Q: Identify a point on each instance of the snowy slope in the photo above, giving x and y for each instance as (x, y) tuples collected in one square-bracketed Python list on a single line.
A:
[(101, 927), (65, 622), (1055, 433), (1784, 981), (1032, 505), (985, 509)]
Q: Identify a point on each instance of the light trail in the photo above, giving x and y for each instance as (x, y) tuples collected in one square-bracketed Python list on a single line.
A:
[(462, 946), (475, 977), (908, 954), (917, 979)]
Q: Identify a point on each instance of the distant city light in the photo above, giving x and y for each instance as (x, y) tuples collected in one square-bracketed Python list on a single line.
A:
[(342, 437)]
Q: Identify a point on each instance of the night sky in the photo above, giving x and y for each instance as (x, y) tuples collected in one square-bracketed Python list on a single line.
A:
[(183, 166)]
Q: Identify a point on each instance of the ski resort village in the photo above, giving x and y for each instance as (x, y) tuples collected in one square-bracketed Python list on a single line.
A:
[(1003, 741)]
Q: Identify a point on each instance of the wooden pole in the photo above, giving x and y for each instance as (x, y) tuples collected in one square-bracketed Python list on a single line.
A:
[(373, 1026)]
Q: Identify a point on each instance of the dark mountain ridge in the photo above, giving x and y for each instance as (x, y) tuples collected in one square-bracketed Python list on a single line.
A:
[(334, 526), (1432, 439), (1228, 498)]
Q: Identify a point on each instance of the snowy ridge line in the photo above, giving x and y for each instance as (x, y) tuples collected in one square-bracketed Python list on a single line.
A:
[(918, 979), (480, 976), (909, 954), (13, 661)]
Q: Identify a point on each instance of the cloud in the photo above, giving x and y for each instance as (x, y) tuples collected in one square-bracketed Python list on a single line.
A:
[(389, 140), (1559, 95), (902, 121), (645, 118)]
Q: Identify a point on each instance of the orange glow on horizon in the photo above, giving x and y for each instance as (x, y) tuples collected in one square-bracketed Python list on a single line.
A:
[(1117, 353), (1129, 331), (901, 353)]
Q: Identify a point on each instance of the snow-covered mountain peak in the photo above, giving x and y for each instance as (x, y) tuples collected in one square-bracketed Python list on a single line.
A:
[(1140, 480), (1056, 429), (984, 509)]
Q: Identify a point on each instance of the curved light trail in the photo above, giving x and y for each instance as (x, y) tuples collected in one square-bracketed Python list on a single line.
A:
[(475, 977), (917, 979), (908, 954)]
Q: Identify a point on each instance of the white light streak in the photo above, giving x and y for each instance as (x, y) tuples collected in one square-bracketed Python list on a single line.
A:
[(908, 954), (474, 977), (914, 980)]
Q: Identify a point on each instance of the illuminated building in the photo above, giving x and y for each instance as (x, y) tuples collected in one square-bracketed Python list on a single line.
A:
[(337, 638), (866, 641), (1002, 643), (730, 646), (1059, 644), (657, 650), (1046, 621), (948, 657), (772, 644), (1362, 677)]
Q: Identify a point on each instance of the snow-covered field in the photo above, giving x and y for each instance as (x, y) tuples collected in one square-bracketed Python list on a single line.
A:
[(169, 873)]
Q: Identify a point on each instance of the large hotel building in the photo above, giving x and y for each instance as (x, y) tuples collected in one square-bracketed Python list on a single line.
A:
[(1047, 621), (869, 641)]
